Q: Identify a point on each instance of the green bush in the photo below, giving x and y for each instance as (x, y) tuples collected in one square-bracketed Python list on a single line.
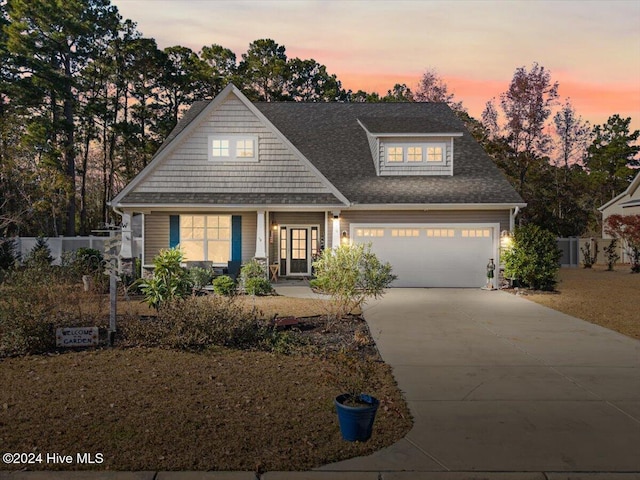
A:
[(200, 277), (253, 277), (224, 285), (351, 274), (170, 280), (40, 255), (89, 261), (533, 259), (257, 286)]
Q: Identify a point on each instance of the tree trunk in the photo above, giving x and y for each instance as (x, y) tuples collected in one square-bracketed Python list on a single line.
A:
[(69, 153)]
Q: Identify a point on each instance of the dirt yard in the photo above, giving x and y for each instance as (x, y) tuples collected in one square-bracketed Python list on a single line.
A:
[(609, 299)]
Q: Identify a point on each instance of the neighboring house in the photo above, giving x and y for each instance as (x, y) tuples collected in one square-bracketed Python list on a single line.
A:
[(237, 180), (627, 203)]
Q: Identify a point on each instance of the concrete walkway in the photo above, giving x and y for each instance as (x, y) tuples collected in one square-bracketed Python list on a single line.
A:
[(497, 383)]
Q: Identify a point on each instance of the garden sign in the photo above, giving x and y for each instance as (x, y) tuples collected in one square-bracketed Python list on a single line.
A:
[(77, 337)]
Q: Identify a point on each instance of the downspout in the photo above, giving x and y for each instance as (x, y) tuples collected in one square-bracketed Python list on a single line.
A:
[(512, 218)]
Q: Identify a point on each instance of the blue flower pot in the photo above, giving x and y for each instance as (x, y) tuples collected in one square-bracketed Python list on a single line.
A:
[(356, 422)]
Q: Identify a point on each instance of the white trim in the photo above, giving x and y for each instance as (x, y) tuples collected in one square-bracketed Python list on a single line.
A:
[(635, 183), (434, 206), (295, 226), (261, 238), (423, 134), (233, 157)]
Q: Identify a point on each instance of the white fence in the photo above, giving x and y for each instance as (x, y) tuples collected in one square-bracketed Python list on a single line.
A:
[(572, 254), (60, 245)]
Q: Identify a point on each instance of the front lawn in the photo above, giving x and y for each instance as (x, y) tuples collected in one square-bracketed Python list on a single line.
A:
[(217, 408), (609, 299)]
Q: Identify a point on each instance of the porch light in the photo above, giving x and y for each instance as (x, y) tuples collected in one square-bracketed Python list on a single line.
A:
[(506, 241), (274, 226), (345, 238)]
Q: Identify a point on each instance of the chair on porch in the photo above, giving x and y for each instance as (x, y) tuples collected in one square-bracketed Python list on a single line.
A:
[(233, 268)]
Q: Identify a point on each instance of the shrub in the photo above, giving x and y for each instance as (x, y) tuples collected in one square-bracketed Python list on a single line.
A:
[(201, 322), (533, 258), (89, 261), (170, 280), (224, 285), (34, 302), (611, 252), (257, 286), (253, 277), (200, 277), (40, 255), (351, 274), (589, 258)]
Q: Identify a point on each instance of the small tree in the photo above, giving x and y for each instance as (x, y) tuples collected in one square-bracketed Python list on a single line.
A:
[(627, 227), (351, 274), (611, 252), (170, 280), (588, 257), (533, 258)]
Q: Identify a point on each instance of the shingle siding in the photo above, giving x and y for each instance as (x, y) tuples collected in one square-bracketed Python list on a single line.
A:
[(188, 169)]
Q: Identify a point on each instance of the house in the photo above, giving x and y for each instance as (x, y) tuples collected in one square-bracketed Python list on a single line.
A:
[(627, 203), (237, 180)]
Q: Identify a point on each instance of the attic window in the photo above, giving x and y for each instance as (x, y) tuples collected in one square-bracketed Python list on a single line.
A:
[(233, 147)]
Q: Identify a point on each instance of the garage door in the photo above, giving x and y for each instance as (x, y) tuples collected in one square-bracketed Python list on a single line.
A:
[(432, 256)]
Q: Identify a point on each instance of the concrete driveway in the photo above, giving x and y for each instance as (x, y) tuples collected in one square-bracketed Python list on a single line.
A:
[(498, 383)]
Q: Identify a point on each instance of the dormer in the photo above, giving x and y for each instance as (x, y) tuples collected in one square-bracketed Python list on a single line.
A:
[(409, 145)]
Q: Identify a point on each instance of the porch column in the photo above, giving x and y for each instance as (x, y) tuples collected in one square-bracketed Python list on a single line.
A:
[(335, 237), (261, 237), (125, 247)]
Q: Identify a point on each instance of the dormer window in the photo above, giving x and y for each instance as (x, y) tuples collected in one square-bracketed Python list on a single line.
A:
[(425, 153), (232, 147), (435, 153), (395, 154)]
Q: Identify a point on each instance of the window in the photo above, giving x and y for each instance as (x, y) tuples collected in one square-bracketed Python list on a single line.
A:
[(394, 154), (220, 148), (244, 148), (414, 154), (479, 233), (440, 232), (435, 154), (206, 237), (233, 147), (405, 232), (370, 232)]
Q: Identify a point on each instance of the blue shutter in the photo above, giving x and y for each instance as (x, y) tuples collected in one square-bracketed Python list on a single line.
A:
[(236, 238), (174, 231)]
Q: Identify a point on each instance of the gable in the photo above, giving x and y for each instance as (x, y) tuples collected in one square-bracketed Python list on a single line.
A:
[(184, 171)]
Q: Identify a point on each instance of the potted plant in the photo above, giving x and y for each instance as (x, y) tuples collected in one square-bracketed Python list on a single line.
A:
[(356, 410)]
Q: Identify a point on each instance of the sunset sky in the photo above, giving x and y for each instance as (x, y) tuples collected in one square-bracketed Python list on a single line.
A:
[(592, 48)]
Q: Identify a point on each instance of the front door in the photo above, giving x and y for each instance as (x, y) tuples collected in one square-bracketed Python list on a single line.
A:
[(299, 251)]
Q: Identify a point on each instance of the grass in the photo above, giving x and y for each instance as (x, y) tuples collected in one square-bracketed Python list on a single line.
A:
[(609, 299), (218, 409)]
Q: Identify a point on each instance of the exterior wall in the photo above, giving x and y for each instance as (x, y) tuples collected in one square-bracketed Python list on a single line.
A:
[(416, 216), (188, 169), (420, 169), (156, 233)]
